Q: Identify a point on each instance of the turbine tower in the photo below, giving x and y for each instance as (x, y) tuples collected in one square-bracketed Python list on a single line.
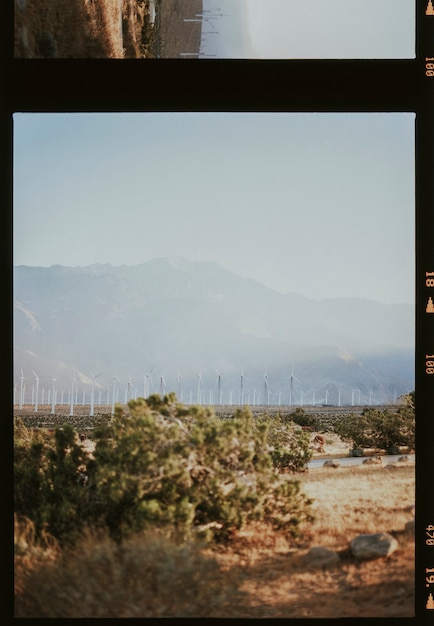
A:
[(113, 394), (179, 380), (22, 379), (199, 381), (147, 383), (71, 406), (266, 392), (291, 389), (162, 385), (219, 385), (37, 391), (92, 394), (53, 397)]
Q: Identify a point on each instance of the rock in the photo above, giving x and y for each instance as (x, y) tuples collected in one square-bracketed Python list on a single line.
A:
[(403, 459), (320, 557), (374, 546), (409, 527), (373, 460), (331, 463)]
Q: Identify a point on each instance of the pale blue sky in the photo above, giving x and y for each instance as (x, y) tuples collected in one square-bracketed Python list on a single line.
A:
[(309, 29), (318, 204)]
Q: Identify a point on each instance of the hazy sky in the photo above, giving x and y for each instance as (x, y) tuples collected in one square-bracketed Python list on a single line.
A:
[(309, 29), (318, 204)]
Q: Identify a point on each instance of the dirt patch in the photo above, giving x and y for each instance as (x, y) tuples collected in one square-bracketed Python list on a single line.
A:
[(356, 501)]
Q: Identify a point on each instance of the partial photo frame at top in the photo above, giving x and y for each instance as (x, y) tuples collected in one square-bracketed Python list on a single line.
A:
[(215, 29)]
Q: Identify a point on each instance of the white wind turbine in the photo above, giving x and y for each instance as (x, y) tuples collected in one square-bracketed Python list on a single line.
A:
[(129, 389), (199, 381), (219, 386), (113, 394), (162, 385), (37, 391), (179, 381), (92, 394), (266, 391), (242, 387), (71, 406), (53, 397), (147, 383), (291, 390), (22, 379)]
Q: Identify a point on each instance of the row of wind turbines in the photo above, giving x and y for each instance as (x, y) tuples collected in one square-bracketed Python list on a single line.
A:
[(251, 394)]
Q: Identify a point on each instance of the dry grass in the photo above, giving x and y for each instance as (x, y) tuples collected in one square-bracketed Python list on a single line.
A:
[(348, 502), (261, 574), (359, 499)]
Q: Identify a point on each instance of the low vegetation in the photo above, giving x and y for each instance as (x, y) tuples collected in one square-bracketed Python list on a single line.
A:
[(175, 512), (381, 430)]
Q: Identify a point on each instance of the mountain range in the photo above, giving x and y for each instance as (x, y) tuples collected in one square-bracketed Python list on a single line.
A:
[(195, 328)]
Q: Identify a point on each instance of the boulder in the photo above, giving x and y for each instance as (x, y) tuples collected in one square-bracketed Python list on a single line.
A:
[(374, 546), (373, 460), (409, 527), (331, 463), (320, 557)]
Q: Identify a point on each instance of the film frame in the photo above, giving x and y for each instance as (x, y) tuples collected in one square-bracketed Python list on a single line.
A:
[(354, 86)]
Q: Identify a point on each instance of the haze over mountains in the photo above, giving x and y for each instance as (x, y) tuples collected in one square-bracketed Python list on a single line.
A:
[(180, 319)]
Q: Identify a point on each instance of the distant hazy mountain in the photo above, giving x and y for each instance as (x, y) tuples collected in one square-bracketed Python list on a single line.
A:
[(182, 319)]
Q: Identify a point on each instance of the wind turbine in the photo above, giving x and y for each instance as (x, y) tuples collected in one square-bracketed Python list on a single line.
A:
[(92, 394), (113, 394), (129, 388), (219, 385), (291, 391), (199, 381), (147, 383), (162, 385), (242, 387), (71, 406), (266, 392), (37, 391), (179, 379), (53, 397), (22, 379)]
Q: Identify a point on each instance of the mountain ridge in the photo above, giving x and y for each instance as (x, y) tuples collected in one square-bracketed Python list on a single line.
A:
[(176, 315)]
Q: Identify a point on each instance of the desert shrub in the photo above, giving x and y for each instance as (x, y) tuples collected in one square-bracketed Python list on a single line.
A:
[(159, 464), (300, 417), (47, 480), (289, 448), (147, 576), (385, 430), (187, 470)]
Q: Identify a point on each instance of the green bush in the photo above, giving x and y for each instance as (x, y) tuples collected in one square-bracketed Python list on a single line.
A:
[(162, 465), (188, 470), (384, 430), (300, 417), (47, 480), (289, 448)]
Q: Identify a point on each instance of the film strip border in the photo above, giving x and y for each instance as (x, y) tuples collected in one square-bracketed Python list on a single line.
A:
[(424, 179)]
